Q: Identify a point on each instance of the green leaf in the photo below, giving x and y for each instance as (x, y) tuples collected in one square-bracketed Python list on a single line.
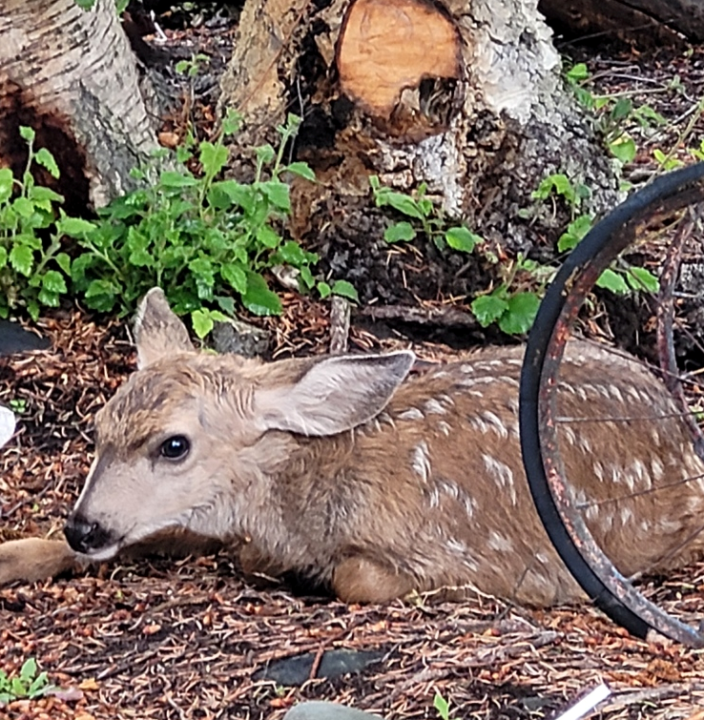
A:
[(3, 257), (27, 134), (306, 277), (23, 207), (74, 227), (202, 322), (324, 289), (278, 194), (53, 281), (226, 303), (577, 73), (64, 262), (489, 308), (576, 230), (41, 194), (399, 232), (239, 194), (611, 280), (622, 108), (171, 179), (641, 279), (6, 184), (462, 239), (520, 313), (399, 201), (346, 289), (235, 276), (293, 254), (231, 123), (48, 298), (22, 259), (28, 670), (141, 258), (302, 169), (268, 237), (101, 295), (258, 298), (213, 158), (265, 154), (623, 149), (44, 158)]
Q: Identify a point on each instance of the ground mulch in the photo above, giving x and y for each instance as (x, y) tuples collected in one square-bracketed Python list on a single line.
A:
[(191, 639)]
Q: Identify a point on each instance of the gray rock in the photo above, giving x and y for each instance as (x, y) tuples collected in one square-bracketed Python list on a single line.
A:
[(15, 339), (241, 338), (317, 710)]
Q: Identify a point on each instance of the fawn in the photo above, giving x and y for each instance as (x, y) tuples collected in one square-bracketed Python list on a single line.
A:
[(354, 472)]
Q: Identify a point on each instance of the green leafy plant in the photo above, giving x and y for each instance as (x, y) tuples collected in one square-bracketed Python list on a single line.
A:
[(32, 266), (442, 706), (614, 112), (198, 238), (513, 304), (192, 66), (622, 278), (18, 405), (427, 217), (28, 684)]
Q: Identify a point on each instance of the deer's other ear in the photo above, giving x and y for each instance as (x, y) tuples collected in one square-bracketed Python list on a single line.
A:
[(334, 395), (158, 332)]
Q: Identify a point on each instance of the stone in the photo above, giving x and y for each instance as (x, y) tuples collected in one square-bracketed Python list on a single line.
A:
[(318, 710)]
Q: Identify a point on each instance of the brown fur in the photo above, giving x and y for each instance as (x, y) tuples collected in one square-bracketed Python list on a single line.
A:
[(424, 486)]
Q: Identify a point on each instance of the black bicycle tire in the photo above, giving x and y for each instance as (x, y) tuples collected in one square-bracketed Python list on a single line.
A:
[(594, 572)]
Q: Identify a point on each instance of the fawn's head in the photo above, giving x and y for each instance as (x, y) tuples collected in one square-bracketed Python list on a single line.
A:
[(187, 440)]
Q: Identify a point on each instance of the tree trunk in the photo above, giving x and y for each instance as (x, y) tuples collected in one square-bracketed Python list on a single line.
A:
[(465, 97), (647, 23), (70, 74)]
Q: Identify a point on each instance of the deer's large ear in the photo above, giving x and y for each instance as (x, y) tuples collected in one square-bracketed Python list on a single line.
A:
[(158, 332), (334, 395)]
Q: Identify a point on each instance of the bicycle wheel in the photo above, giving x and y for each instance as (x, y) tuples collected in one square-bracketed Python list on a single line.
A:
[(565, 512)]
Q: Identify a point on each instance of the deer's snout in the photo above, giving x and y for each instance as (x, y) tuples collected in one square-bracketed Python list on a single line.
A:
[(86, 537)]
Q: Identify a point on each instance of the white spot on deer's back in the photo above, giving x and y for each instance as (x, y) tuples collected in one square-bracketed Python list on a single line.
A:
[(411, 414), (499, 542), (434, 407), (502, 474), (495, 423), (421, 460), (657, 469), (444, 428), (455, 492)]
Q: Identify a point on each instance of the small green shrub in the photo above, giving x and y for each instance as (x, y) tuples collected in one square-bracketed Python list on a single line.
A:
[(29, 684), (206, 242), (427, 217), (32, 268)]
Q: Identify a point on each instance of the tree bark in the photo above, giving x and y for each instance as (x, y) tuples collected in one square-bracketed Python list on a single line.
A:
[(70, 74), (646, 23), (464, 97)]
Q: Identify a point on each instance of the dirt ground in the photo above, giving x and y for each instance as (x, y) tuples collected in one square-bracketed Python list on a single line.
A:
[(168, 639)]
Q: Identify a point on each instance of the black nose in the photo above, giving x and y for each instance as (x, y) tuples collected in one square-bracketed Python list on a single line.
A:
[(84, 536)]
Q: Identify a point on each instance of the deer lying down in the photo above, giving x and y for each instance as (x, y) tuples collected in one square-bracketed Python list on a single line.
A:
[(350, 472)]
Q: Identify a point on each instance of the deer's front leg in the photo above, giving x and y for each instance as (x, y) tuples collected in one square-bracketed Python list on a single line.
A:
[(361, 579), (34, 559)]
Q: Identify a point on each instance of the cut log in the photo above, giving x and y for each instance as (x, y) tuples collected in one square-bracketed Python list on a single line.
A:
[(70, 75), (647, 23), (388, 46), (463, 98)]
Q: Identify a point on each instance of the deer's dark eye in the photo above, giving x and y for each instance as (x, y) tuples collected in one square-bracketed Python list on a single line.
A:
[(175, 448)]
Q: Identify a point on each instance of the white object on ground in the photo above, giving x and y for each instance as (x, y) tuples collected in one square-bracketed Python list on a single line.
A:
[(586, 704), (7, 424)]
